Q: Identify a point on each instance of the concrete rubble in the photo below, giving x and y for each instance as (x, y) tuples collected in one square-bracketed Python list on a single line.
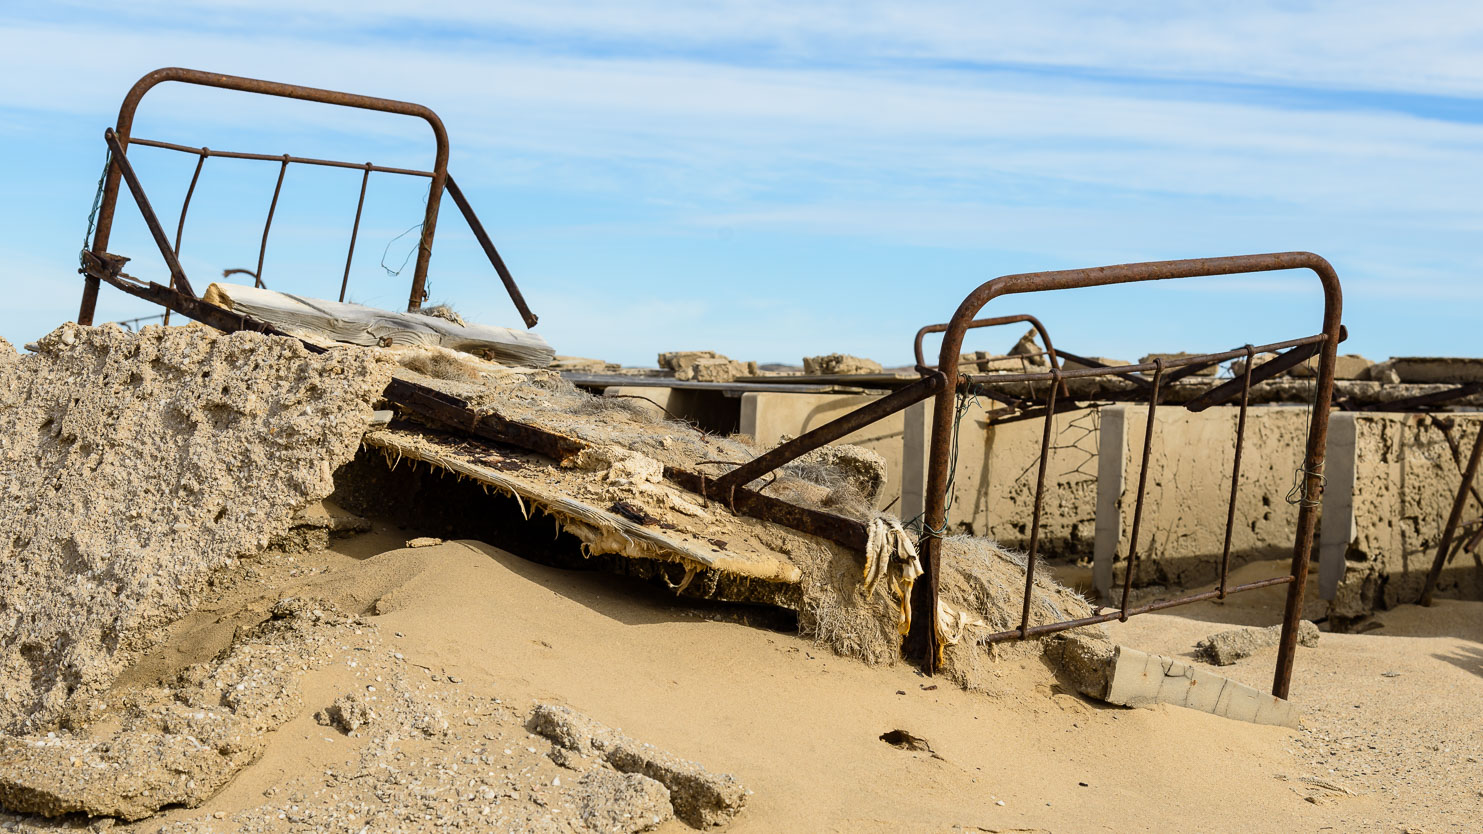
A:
[(863, 471), (583, 365), (1028, 348), (1140, 679), (1210, 371), (620, 803), (840, 363), (1226, 647), (1448, 370), (176, 745), (705, 366), (1346, 366), (700, 798), (136, 466)]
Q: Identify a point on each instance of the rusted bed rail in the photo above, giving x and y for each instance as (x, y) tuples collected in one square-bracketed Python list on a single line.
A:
[(998, 321), (439, 179)]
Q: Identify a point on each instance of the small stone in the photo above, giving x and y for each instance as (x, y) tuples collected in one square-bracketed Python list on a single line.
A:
[(1227, 647), (350, 713)]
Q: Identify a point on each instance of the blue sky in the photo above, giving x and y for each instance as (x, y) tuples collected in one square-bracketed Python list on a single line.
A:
[(778, 179)]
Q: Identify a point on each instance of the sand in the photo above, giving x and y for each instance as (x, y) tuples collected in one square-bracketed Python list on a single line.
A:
[(487, 636), (1390, 714)]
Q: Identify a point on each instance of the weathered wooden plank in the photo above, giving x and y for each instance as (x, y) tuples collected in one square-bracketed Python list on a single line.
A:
[(601, 530)]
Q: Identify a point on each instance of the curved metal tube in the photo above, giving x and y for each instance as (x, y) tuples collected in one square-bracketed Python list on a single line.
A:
[(942, 419), (125, 126), (1050, 349)]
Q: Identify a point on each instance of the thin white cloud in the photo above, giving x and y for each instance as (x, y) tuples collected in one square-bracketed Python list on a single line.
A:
[(766, 124), (1420, 47)]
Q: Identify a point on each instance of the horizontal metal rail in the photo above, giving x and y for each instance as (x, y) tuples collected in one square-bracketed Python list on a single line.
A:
[(280, 157), (1107, 617), (1203, 360)]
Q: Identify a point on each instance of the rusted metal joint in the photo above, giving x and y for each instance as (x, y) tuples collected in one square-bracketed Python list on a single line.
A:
[(102, 263)]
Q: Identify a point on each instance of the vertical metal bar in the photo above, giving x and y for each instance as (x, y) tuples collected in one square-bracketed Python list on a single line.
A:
[(429, 223), (1153, 405), (262, 251), (151, 220), (1225, 552), (1468, 474), (355, 230), (89, 303), (1045, 442), (186, 207), (493, 254), (1312, 485), (189, 192)]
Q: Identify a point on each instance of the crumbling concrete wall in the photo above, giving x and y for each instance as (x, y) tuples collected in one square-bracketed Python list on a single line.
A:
[(1188, 490), (993, 491), (1391, 493), (132, 467), (1403, 483)]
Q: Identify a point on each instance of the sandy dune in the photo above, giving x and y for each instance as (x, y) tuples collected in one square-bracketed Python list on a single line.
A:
[(1390, 715)]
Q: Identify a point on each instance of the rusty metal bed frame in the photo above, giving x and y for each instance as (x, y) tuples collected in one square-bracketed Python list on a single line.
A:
[(98, 265), (942, 383)]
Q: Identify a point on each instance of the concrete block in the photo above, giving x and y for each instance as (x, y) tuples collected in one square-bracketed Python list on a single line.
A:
[(1141, 679), (1346, 366), (1111, 457), (916, 436), (1454, 370), (1336, 525), (1406, 476)]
